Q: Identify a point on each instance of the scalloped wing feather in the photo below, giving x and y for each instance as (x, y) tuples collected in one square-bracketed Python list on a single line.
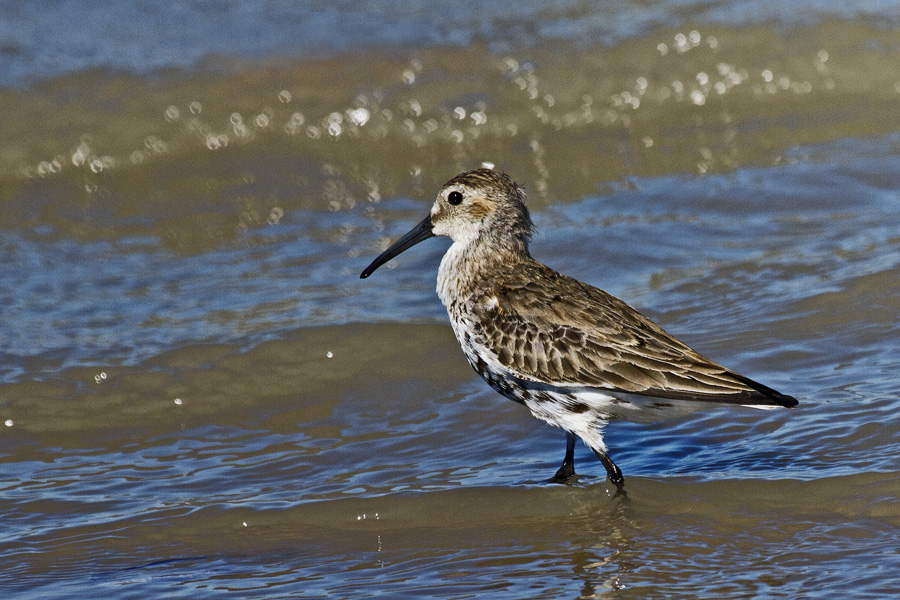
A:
[(546, 327)]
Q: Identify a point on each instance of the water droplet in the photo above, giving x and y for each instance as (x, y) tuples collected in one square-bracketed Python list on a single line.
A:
[(8, 422), (359, 116), (178, 401), (329, 354), (275, 215)]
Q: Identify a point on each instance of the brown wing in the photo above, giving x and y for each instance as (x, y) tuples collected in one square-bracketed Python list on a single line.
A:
[(545, 326)]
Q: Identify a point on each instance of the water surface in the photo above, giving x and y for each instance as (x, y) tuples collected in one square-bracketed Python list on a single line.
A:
[(199, 395)]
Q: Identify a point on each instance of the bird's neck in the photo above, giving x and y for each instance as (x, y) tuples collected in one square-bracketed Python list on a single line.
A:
[(467, 263)]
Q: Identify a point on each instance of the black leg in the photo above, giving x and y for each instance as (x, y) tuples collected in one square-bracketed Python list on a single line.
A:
[(612, 471), (567, 469)]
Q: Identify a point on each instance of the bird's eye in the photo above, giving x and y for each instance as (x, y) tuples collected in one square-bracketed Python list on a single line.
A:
[(455, 198)]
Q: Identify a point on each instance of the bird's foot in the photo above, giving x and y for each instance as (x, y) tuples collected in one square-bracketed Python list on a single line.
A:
[(564, 474)]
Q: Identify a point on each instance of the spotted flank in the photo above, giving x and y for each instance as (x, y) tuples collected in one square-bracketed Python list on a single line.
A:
[(575, 355)]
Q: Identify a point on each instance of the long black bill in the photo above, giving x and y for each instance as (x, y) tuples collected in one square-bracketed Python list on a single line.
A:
[(419, 233)]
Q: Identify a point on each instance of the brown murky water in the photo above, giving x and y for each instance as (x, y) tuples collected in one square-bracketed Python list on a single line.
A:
[(199, 396)]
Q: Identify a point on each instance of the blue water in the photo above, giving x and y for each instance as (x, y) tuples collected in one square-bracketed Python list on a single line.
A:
[(199, 397), (40, 39)]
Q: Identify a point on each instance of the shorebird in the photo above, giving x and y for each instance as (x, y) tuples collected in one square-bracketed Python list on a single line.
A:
[(575, 355)]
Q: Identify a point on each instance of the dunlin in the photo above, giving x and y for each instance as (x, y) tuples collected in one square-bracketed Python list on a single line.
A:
[(573, 354)]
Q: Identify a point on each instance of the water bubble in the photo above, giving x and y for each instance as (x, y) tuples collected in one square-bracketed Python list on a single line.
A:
[(172, 114), (359, 116), (177, 401), (702, 78), (240, 130), (100, 377), (275, 215), (214, 142), (663, 49), (694, 37), (409, 77), (767, 75), (329, 354), (459, 112), (487, 165), (313, 132), (457, 136), (155, 145), (284, 96), (698, 98), (49, 167), (8, 422), (81, 154), (261, 120), (479, 118), (823, 55), (195, 108)]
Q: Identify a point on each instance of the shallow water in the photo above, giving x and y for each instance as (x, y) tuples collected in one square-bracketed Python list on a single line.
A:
[(200, 396)]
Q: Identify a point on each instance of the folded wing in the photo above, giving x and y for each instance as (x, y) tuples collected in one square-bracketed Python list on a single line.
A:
[(568, 333)]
